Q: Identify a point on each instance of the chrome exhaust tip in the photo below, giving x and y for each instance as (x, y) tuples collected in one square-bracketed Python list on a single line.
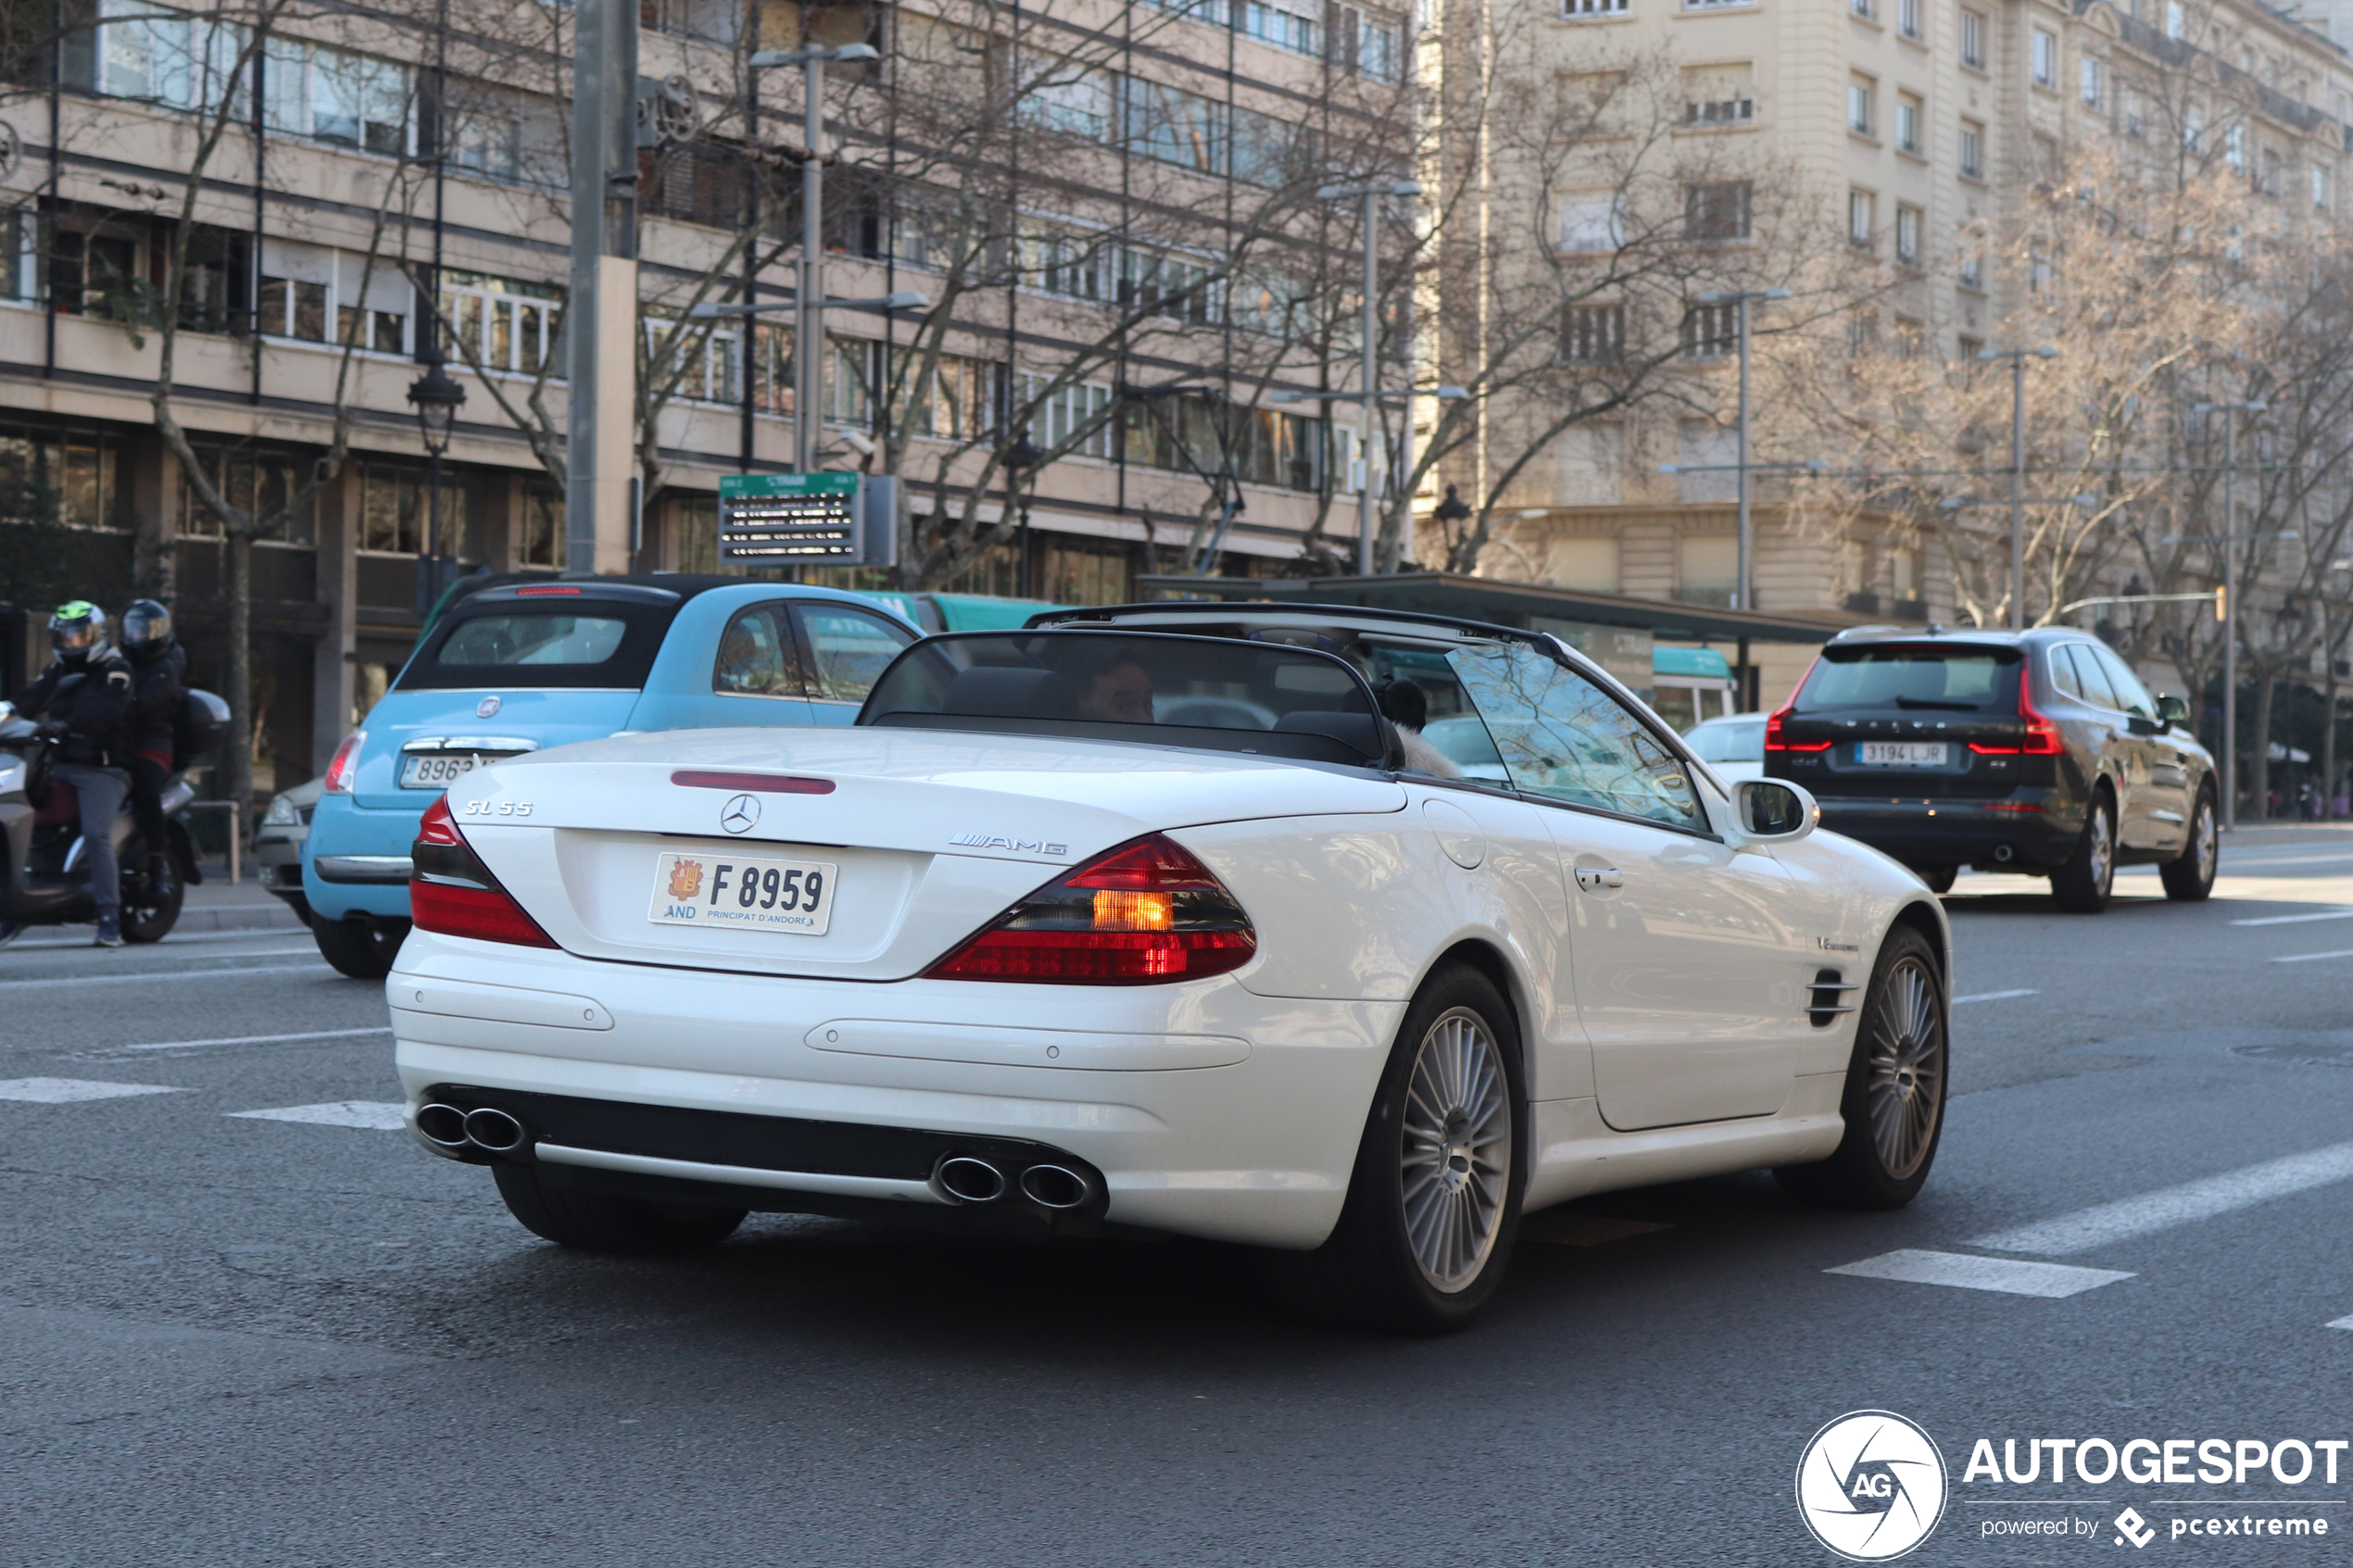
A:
[(968, 1179), (2001, 853), (444, 1126), (1054, 1186), (489, 1127)]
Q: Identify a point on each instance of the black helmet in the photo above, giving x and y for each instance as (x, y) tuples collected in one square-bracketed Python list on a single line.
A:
[(78, 630), (147, 627)]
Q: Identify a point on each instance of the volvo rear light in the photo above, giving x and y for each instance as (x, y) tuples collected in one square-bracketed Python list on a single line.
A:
[(2041, 737), (452, 892), (1777, 741), (345, 765), (1144, 913)]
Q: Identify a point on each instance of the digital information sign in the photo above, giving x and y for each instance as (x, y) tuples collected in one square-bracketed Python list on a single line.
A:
[(808, 520)]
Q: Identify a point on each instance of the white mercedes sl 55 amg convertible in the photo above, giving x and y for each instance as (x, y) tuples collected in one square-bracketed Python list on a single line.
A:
[(1348, 935)]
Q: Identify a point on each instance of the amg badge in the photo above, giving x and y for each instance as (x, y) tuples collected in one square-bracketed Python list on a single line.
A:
[(998, 841)]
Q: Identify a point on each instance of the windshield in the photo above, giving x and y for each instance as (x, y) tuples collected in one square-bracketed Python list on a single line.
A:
[(1935, 679), (1157, 688), (607, 645)]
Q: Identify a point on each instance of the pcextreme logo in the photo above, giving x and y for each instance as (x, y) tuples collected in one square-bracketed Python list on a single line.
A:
[(1872, 1485)]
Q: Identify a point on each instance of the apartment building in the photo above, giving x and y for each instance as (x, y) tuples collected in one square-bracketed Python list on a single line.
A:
[(377, 187), (1887, 137)]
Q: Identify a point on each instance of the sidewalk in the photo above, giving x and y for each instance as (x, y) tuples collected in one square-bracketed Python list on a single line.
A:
[(215, 905)]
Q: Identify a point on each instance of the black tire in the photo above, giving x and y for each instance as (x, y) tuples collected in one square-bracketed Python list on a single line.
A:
[(1938, 878), (596, 1223), (1372, 1273), (2189, 876), (1894, 1103), (2081, 886), (362, 950), (149, 912)]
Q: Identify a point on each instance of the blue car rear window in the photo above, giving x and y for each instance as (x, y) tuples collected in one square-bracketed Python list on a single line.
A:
[(599, 645)]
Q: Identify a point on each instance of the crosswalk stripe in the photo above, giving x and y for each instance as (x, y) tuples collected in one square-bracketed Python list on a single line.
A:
[(252, 1039), (1994, 996), (370, 1115), (70, 1091), (2107, 1222), (2341, 1322), (2307, 957), (2297, 920), (166, 974), (2011, 1275)]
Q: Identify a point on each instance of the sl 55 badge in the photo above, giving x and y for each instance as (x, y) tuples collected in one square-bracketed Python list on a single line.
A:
[(496, 808)]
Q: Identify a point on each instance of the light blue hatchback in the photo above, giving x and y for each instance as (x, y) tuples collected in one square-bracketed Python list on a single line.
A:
[(525, 665)]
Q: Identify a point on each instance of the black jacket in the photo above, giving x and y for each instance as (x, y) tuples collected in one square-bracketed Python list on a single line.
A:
[(158, 695), (91, 703)]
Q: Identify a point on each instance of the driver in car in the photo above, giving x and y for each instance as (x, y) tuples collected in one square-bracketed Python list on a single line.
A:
[(1120, 692)]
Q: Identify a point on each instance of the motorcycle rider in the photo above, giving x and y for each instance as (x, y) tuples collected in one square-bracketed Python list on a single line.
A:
[(160, 692), (85, 696)]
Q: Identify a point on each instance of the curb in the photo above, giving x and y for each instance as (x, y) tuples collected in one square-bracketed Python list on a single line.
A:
[(234, 917)]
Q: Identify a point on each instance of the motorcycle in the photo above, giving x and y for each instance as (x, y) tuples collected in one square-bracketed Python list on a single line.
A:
[(44, 877)]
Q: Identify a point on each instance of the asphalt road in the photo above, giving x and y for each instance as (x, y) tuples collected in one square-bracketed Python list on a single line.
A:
[(231, 1339)]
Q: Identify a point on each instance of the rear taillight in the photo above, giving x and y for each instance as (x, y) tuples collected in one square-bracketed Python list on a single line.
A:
[(452, 892), (2041, 737), (1775, 740), (1143, 913), (345, 765)]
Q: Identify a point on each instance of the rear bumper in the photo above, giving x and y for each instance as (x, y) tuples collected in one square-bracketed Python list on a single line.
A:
[(1258, 1150), (355, 861), (1962, 833)]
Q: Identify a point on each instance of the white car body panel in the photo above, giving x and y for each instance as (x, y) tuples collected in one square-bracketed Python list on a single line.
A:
[(1664, 1023)]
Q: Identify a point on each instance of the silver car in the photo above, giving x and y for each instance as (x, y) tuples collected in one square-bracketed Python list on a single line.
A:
[(277, 845)]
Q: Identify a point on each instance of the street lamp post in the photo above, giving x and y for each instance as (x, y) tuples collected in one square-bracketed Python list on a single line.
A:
[(437, 399), (1021, 459), (810, 301), (1370, 195), (2231, 600), (2018, 358), (1744, 590)]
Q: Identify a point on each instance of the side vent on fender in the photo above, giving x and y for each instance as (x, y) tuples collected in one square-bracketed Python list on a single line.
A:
[(1830, 985)]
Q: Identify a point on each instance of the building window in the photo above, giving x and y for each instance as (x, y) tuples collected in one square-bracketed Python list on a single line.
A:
[(1716, 5), (1576, 8), (1710, 332), (2044, 58), (955, 402), (2176, 18), (1720, 94), (2093, 74), (1060, 419), (1966, 350), (1862, 210), (499, 324), (1908, 236), (163, 57), (1972, 150), (314, 294), (1973, 40), (1168, 285), (344, 99), (1593, 334), (261, 485), (1709, 568), (1862, 117), (1907, 122), (1286, 26), (1908, 21), (1862, 8), (2038, 272), (1973, 274), (1719, 210), (1174, 126), (1862, 332), (1911, 338), (706, 362), (394, 508), (1366, 44), (2321, 189), (2235, 147), (1592, 222), (1071, 100)]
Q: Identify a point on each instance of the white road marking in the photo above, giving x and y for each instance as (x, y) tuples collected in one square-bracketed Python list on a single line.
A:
[(2007, 1274), (2168, 1207), (1583, 1230), (170, 973), (1994, 996), (178, 938), (2307, 957), (376, 1116), (68, 1091), (251, 1039), (2297, 920), (2341, 1322)]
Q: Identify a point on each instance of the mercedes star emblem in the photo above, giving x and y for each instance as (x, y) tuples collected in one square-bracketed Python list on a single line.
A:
[(740, 814), (486, 708)]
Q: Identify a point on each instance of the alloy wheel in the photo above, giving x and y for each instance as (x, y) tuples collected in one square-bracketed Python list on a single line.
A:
[(1906, 1068), (2103, 849), (1457, 1150), (2205, 840)]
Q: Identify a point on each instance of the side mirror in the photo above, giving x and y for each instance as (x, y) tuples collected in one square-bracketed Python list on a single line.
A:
[(2142, 724), (1773, 811), (8, 711), (2172, 710)]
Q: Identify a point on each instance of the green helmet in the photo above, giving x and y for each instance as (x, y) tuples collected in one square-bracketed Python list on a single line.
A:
[(76, 630)]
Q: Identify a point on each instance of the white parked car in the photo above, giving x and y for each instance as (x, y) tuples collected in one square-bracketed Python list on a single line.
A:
[(1733, 745), (1017, 953)]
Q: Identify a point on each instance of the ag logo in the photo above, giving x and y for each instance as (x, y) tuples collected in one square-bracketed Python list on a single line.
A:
[(1872, 1485), (741, 814), (486, 708)]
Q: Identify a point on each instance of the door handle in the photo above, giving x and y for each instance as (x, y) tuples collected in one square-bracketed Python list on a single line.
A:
[(1592, 879)]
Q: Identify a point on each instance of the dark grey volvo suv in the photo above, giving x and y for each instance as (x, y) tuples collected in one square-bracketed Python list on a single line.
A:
[(2038, 752)]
